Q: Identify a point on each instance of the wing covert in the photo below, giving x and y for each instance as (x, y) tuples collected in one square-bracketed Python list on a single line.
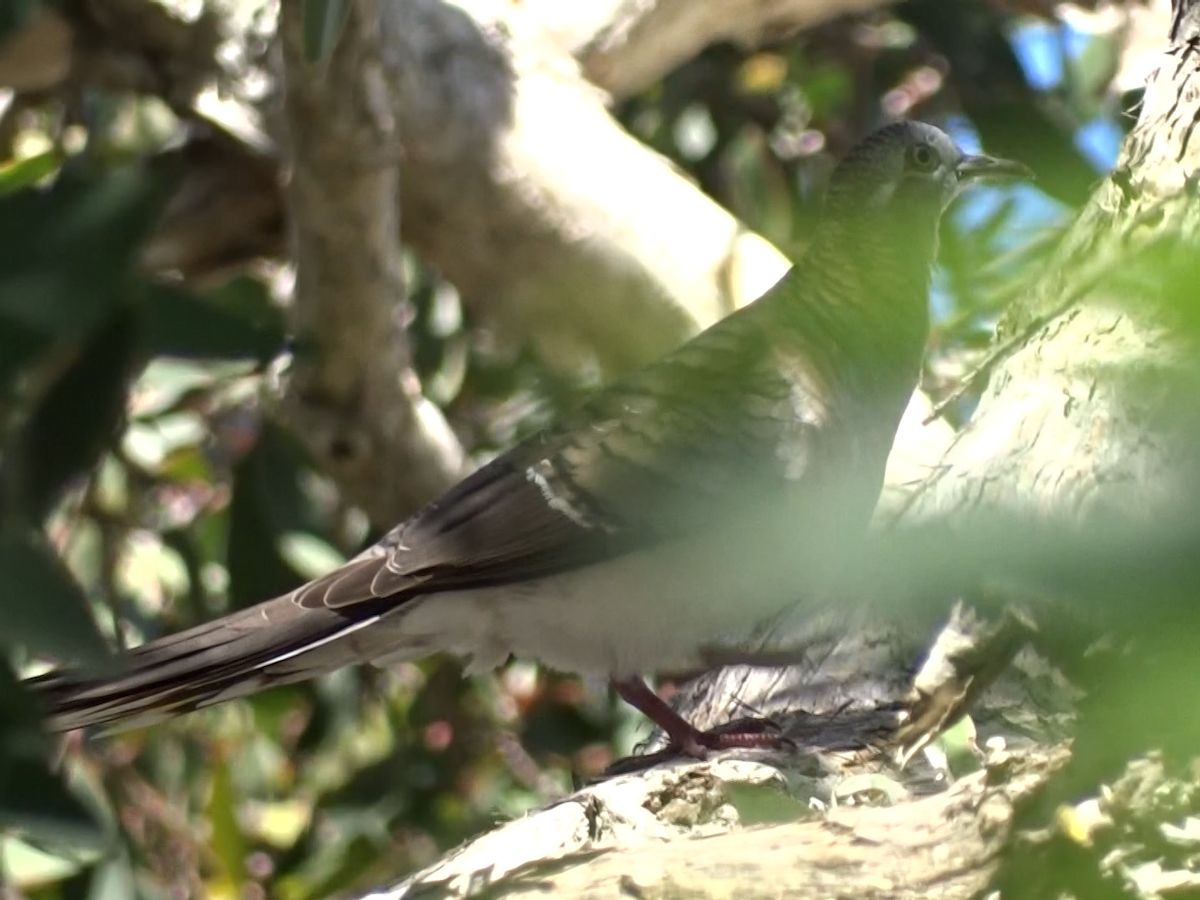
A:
[(666, 452)]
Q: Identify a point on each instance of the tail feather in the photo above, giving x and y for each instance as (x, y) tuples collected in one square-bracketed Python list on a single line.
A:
[(274, 643)]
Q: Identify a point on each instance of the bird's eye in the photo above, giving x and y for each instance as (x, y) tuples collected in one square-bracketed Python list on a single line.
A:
[(922, 158)]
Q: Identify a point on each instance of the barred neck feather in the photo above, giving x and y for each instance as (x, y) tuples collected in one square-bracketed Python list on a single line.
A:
[(861, 297)]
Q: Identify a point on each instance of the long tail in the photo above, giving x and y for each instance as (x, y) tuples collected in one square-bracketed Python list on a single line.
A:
[(281, 641)]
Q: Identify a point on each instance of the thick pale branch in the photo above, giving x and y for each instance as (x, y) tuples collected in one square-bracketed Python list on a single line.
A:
[(615, 840), (352, 395), (626, 46), (557, 226)]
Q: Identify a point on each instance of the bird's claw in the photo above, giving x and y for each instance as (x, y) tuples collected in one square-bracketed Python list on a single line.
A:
[(746, 733), (749, 733)]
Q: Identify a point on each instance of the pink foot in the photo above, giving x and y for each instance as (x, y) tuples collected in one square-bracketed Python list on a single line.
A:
[(684, 738)]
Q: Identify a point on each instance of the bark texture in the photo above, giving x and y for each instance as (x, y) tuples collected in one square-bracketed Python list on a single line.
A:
[(555, 225), (353, 396)]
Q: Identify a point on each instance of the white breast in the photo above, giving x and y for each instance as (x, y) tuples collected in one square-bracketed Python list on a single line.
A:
[(654, 610)]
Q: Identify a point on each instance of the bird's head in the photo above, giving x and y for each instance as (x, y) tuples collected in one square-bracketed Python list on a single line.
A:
[(878, 234), (887, 196), (908, 170)]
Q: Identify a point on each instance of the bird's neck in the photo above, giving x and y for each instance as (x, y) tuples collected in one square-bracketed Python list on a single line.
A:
[(878, 311)]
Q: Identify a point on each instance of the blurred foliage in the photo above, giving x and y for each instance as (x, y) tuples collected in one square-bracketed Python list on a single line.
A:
[(323, 24), (144, 488)]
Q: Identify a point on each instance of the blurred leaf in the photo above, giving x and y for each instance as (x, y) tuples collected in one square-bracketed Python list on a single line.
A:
[(323, 24), (20, 725), (18, 347), (66, 252), (42, 607), (33, 802), (828, 88), (267, 502), (150, 569), (765, 201), (958, 743), (30, 868), (181, 324), (1090, 73), (873, 787), (186, 464), (279, 823), (75, 420), (334, 867), (14, 14), (550, 727), (113, 880), (227, 841), (27, 172), (309, 555), (149, 444), (764, 804), (282, 465), (249, 298), (165, 382), (762, 73)]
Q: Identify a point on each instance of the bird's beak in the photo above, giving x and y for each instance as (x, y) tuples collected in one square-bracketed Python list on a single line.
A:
[(986, 168)]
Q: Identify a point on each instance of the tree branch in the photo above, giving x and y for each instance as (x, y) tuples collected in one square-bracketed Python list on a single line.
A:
[(623, 47), (608, 841), (352, 395), (558, 228)]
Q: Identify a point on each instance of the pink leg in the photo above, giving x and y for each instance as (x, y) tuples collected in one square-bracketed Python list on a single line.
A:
[(686, 738)]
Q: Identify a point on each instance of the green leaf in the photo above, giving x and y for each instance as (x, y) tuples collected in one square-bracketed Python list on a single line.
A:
[(186, 464), (267, 501), (75, 420), (29, 868), (20, 724), (323, 23), (166, 382), (149, 444), (875, 787), (958, 743), (114, 880), (183, 325), (14, 14), (27, 172), (18, 347), (33, 802), (827, 89), (66, 252), (336, 866), (41, 606), (226, 839), (250, 299), (764, 804), (309, 555)]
